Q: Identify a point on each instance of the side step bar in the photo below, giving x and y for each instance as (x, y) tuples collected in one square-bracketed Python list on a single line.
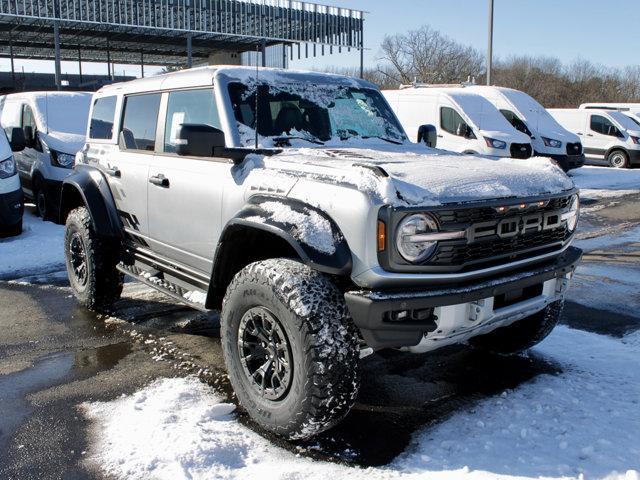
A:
[(172, 290)]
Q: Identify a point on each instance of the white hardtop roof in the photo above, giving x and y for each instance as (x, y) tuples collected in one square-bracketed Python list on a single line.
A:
[(606, 105), (45, 93), (202, 76)]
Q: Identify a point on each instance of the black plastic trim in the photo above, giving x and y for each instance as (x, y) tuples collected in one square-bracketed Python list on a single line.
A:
[(367, 307), (92, 186), (11, 208)]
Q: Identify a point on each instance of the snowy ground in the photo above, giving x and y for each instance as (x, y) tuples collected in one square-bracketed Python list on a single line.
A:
[(583, 421), (37, 249), (605, 182)]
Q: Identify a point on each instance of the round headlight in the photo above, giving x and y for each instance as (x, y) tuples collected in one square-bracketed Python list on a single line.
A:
[(571, 216), (408, 241)]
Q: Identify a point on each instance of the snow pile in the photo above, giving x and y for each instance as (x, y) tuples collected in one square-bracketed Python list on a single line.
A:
[(195, 296), (601, 182), (38, 250), (582, 422), (309, 227)]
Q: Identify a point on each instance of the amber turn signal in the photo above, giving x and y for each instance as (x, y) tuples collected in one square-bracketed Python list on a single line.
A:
[(381, 236)]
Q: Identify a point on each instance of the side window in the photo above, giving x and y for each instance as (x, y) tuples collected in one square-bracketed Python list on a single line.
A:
[(28, 120), (139, 122), (102, 116), (603, 125), (194, 107), (452, 122)]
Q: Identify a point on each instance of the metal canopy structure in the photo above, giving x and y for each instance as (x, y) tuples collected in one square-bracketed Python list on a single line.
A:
[(171, 32)]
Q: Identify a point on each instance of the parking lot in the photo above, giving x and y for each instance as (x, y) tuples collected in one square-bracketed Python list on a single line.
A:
[(563, 410)]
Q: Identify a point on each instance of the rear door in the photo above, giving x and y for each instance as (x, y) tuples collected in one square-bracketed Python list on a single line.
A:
[(185, 192), (127, 169)]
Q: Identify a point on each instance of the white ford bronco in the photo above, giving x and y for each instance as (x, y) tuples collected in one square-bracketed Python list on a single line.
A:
[(294, 203)]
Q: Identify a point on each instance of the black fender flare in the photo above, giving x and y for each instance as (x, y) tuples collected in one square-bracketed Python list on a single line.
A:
[(334, 260), (89, 183)]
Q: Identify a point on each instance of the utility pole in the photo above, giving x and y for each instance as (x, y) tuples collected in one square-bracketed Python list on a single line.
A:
[(490, 46)]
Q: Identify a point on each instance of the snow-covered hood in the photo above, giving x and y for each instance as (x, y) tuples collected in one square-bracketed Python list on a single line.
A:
[(63, 142), (415, 175)]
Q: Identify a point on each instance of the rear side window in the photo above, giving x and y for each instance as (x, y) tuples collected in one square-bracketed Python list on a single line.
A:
[(139, 122), (603, 125), (452, 122), (194, 107), (104, 111)]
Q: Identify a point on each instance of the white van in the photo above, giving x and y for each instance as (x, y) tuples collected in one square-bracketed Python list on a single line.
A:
[(54, 126), (607, 135), (465, 122), (548, 137), (632, 110), (11, 202)]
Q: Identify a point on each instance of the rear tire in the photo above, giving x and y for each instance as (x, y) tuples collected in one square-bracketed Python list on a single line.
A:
[(523, 334), (291, 349), (91, 263), (618, 159), (40, 199)]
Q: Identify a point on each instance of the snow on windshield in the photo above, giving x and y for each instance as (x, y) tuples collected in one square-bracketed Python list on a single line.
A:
[(481, 112), (624, 121), (313, 112), (63, 112), (534, 114)]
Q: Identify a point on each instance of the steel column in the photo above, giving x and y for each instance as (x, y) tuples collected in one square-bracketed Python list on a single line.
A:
[(80, 64), (189, 51), (56, 41), (490, 46)]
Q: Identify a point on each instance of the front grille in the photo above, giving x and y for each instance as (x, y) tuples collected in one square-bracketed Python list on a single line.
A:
[(574, 148), (494, 249), (520, 150)]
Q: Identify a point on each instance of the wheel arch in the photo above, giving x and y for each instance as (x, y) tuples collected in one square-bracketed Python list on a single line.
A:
[(610, 150), (253, 234), (88, 187)]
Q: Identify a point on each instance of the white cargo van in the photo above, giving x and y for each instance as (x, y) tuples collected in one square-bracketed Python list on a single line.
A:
[(548, 137), (632, 110), (464, 121), (607, 135)]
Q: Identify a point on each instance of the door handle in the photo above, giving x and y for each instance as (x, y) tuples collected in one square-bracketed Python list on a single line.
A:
[(439, 136), (579, 133), (589, 135), (159, 180), (114, 172)]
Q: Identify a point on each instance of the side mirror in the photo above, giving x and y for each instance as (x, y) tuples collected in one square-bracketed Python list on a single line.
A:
[(29, 137), (17, 140), (468, 132), (199, 140), (428, 134)]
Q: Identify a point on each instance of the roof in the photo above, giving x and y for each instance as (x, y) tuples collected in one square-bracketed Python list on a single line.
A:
[(202, 76)]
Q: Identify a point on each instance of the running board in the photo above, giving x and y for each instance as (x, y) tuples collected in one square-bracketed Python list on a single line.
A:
[(170, 289)]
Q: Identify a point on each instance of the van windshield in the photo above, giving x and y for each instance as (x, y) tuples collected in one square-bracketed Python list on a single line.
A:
[(64, 113), (316, 114), (482, 112), (623, 120)]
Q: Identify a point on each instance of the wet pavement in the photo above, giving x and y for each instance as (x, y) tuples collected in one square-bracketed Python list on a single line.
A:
[(54, 356)]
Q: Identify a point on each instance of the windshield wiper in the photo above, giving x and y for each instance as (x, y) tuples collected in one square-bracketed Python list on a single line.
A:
[(395, 142), (286, 140)]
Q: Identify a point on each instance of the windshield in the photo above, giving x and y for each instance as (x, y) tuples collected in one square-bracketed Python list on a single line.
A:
[(481, 112), (317, 115), (518, 124), (65, 113), (625, 122)]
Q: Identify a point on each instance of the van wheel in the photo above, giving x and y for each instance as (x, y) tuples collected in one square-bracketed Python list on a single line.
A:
[(523, 334), (91, 263), (618, 159), (290, 347), (40, 199)]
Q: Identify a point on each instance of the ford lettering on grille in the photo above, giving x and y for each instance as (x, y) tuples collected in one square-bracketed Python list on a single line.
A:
[(514, 226)]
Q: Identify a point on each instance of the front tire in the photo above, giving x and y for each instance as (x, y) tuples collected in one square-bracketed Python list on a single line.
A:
[(523, 334), (91, 263), (40, 199), (291, 349), (618, 159)]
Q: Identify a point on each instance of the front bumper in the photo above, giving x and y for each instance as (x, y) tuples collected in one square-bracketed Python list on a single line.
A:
[(446, 313), (11, 208), (634, 157), (566, 162)]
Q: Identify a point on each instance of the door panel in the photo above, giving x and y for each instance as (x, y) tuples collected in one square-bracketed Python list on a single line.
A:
[(185, 210), (593, 141)]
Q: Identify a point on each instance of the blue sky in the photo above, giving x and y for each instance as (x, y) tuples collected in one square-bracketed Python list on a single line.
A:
[(604, 32)]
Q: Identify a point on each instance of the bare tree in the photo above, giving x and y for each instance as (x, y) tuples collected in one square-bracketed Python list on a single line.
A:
[(426, 55)]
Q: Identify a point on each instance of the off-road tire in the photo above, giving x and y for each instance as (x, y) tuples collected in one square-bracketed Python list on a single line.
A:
[(103, 284), (523, 334), (323, 343), (618, 159)]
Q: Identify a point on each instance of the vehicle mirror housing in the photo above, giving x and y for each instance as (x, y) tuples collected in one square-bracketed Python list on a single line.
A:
[(199, 140), (428, 134), (468, 132), (17, 142)]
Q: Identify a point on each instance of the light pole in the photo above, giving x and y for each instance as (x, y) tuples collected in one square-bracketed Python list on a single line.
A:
[(490, 46)]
